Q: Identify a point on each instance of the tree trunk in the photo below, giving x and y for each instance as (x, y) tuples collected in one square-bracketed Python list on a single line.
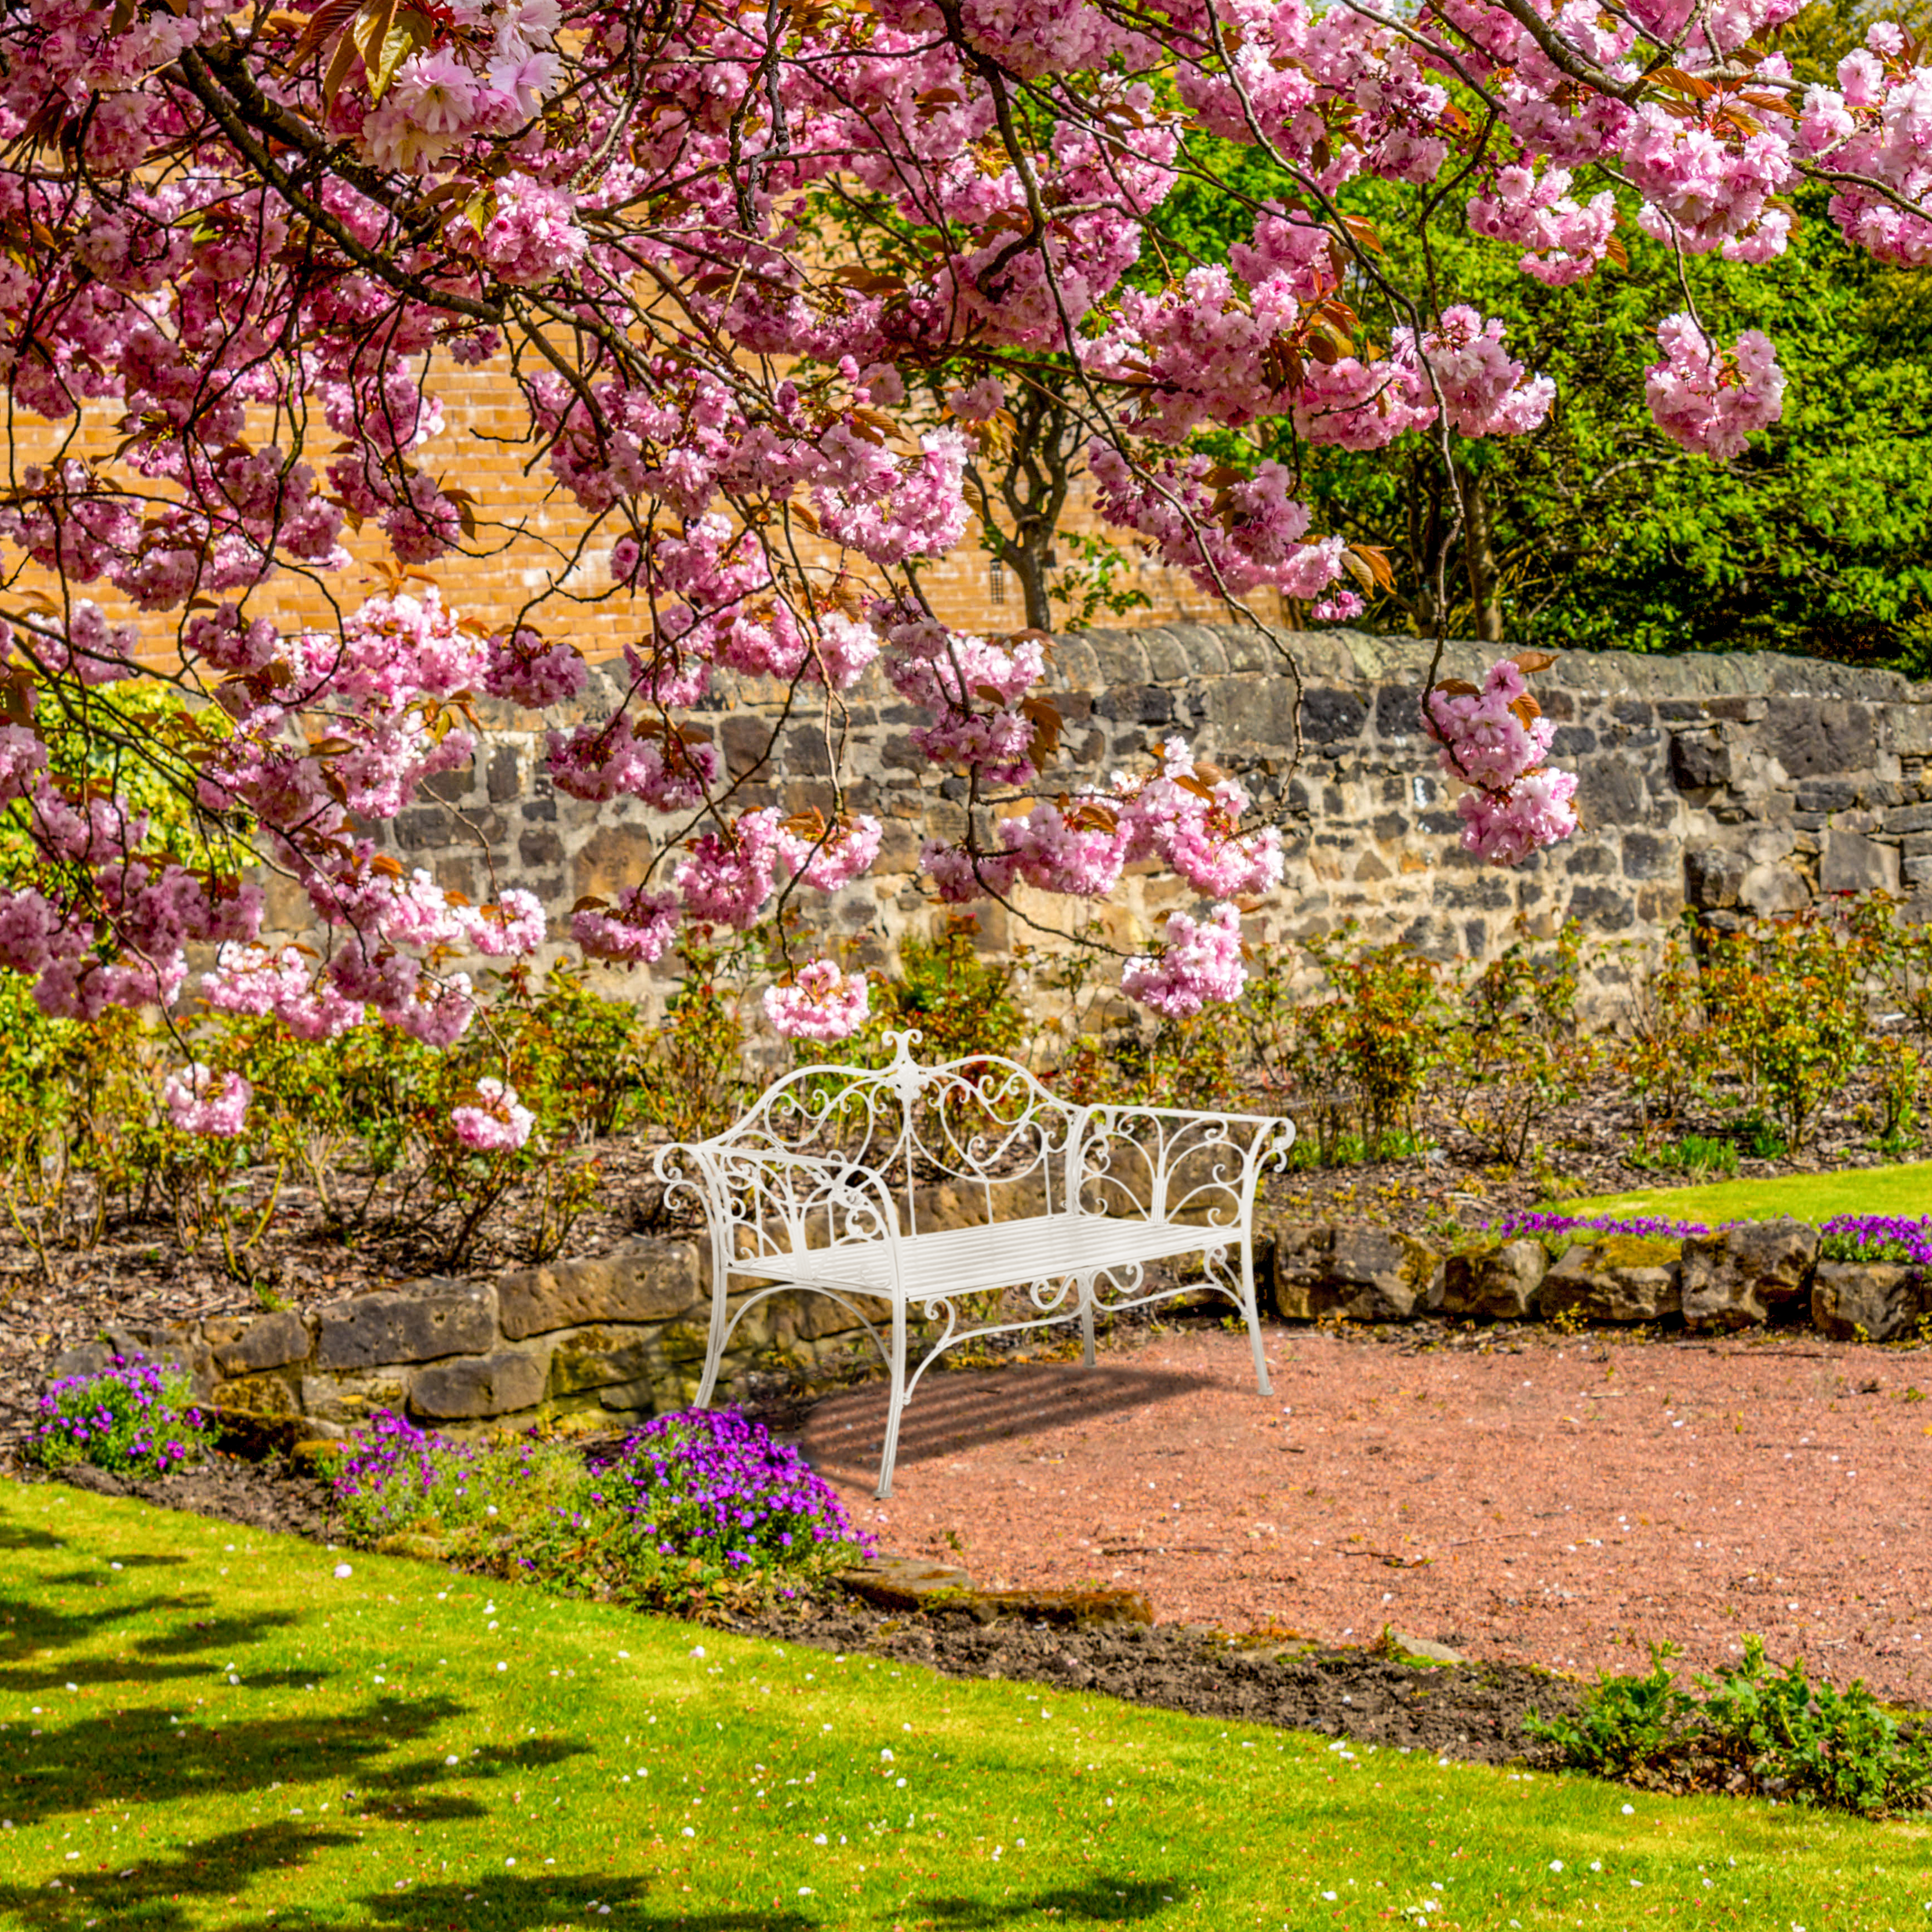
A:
[(1478, 550)]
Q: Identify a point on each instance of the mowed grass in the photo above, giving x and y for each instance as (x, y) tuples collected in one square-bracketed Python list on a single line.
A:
[(1808, 1197), (220, 1733)]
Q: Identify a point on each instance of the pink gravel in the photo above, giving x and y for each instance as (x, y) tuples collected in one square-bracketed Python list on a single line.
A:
[(1561, 1501)]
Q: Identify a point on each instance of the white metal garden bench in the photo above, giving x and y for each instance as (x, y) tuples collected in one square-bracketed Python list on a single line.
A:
[(825, 1184)]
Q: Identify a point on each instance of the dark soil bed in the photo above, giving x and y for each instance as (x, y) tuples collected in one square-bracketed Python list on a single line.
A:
[(1473, 1711)]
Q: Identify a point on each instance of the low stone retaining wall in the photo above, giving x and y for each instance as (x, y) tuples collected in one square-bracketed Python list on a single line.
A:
[(1745, 1276), (622, 1335)]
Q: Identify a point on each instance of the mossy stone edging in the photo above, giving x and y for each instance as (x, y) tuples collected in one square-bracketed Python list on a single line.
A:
[(1748, 1275)]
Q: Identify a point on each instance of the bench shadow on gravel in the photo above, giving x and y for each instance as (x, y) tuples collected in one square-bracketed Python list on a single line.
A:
[(958, 1410)]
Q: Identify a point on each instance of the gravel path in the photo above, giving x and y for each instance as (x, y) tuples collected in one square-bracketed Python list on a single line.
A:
[(1557, 1500)]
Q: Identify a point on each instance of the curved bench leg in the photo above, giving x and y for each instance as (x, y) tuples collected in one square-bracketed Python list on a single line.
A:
[(714, 1348), (1251, 1308), (897, 1367), (1086, 1320)]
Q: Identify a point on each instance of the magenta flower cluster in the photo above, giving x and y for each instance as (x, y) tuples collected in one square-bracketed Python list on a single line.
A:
[(133, 1417), (395, 1474), (711, 1483), (1532, 1226), (1877, 1237), (705, 1490)]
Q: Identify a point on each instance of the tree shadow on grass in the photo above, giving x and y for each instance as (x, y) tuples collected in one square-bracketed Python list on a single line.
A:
[(1103, 1900), (156, 1894), (505, 1902), (139, 1758), (30, 1621), (16, 1536)]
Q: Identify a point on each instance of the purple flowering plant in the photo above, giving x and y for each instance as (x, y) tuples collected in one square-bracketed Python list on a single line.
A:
[(695, 1507), (135, 1417), (1543, 1226), (394, 1478), (708, 1494), (1876, 1237)]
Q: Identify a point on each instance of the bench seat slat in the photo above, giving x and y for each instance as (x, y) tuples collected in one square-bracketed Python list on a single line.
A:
[(1006, 1254)]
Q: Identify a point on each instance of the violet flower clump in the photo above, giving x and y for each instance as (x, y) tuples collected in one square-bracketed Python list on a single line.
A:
[(133, 1418), (711, 1485), (1531, 1225), (1876, 1237), (395, 1474)]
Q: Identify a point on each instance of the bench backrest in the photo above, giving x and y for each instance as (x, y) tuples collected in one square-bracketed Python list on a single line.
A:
[(983, 1125)]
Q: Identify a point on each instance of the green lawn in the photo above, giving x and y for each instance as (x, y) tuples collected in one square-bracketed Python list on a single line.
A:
[(220, 1733), (1810, 1197)]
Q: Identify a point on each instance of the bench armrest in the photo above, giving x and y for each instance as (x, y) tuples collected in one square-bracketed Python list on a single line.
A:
[(763, 1201), (1174, 1163)]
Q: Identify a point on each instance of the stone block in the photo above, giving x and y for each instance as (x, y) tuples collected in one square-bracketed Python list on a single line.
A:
[(1610, 791), (1851, 862), (175, 1344), (1366, 1274), (1871, 1301), (259, 1395), (591, 1358), (89, 1358), (1302, 1252), (644, 1397), (1699, 760), (1713, 877), (354, 1398), (421, 1323), (1808, 737), (247, 1347), (1584, 1285), (643, 1281), (1735, 1278), (1769, 890), (472, 1387), (1501, 1283)]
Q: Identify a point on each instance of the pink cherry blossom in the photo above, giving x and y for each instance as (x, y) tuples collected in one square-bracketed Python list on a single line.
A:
[(1200, 965), (819, 1002), (199, 1101), (496, 1122), (1709, 400)]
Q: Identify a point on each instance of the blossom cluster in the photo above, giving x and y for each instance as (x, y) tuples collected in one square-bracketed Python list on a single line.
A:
[(1532, 1223), (1877, 1237), (1495, 740), (702, 1492)]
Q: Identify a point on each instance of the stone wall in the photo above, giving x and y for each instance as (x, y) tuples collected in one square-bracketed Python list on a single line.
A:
[(1739, 784), (621, 1335)]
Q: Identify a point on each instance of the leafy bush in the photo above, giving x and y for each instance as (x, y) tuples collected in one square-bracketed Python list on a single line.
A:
[(1838, 1748), (1626, 1724), (135, 1418), (702, 1506), (1379, 1033), (1699, 1155), (1789, 1000), (1773, 1731), (1517, 1051)]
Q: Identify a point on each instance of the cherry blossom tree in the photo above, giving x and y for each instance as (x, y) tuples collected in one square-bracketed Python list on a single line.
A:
[(761, 283)]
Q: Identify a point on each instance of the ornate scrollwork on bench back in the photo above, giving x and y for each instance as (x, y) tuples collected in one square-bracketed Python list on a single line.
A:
[(1162, 1164), (983, 1125)]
